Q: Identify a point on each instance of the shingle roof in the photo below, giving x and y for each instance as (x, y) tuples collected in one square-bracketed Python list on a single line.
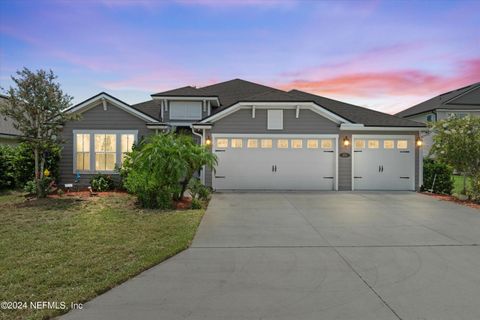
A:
[(444, 100), (357, 114), (187, 91), (150, 107)]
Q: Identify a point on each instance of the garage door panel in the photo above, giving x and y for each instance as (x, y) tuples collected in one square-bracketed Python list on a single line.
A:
[(281, 163), (384, 163)]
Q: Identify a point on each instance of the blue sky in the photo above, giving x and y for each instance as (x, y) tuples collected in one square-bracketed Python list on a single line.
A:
[(386, 55)]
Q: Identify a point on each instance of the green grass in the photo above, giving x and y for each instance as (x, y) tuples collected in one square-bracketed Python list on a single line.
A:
[(72, 250), (458, 184)]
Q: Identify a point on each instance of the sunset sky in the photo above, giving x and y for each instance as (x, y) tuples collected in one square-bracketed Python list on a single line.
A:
[(386, 55)]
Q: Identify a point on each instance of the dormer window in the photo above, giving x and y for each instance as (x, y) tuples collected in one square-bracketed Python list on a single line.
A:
[(185, 110)]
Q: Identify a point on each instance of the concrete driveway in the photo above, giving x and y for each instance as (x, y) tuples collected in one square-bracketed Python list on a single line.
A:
[(315, 256)]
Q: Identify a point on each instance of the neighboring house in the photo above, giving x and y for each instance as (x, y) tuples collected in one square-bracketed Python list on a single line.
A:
[(264, 138), (457, 103), (8, 133)]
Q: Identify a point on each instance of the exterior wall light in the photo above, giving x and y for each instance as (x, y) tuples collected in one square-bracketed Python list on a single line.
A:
[(346, 142), (208, 142), (419, 142)]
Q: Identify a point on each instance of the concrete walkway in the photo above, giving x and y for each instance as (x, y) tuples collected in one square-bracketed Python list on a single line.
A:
[(315, 256)]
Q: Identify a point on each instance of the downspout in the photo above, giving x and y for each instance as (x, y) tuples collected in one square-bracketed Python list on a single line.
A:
[(202, 141)]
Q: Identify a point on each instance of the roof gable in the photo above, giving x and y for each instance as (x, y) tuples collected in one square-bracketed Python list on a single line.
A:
[(102, 96)]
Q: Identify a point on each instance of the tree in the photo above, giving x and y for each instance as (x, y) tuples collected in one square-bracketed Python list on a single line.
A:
[(35, 106), (159, 168), (457, 143)]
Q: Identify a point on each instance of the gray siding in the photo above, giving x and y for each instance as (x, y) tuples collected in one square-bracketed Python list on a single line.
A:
[(308, 121), (96, 118)]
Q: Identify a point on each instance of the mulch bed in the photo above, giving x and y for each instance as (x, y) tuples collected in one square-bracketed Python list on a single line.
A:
[(444, 197), (183, 204)]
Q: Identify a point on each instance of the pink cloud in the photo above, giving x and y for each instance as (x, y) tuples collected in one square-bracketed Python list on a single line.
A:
[(396, 87)]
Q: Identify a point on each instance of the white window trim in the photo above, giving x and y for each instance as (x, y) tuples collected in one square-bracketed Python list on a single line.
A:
[(118, 149)]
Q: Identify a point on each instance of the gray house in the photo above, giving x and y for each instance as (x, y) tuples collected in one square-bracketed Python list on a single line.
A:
[(264, 138), (8, 133), (456, 103)]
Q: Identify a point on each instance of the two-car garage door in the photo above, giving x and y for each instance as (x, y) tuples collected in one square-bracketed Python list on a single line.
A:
[(287, 162)]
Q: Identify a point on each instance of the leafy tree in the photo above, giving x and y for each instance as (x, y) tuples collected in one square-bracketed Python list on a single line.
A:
[(457, 143), (156, 169), (35, 105)]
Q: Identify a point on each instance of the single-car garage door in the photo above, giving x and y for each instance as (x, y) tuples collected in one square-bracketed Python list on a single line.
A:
[(286, 162), (383, 162)]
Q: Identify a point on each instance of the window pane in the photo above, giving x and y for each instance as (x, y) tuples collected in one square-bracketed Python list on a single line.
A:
[(266, 143), (222, 143), (110, 161), (99, 142), (237, 143), (297, 144), (360, 144), (388, 144), (326, 144), (100, 161), (312, 144), (373, 144), (127, 142), (110, 143), (80, 161), (402, 144), (252, 143), (86, 161), (282, 143)]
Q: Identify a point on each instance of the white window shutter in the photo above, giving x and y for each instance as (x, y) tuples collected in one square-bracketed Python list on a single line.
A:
[(275, 120)]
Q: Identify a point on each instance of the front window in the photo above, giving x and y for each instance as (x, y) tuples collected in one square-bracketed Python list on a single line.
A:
[(83, 152), (101, 150), (105, 152)]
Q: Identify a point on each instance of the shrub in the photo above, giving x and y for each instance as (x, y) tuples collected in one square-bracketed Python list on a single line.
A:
[(23, 164), (198, 190), (196, 204), (158, 170), (102, 182), (7, 174), (441, 173), (45, 186)]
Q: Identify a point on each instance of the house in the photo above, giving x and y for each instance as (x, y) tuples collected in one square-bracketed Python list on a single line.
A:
[(8, 133), (456, 103), (264, 138)]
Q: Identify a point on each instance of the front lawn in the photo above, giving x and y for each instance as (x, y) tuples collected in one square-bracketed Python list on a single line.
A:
[(70, 250)]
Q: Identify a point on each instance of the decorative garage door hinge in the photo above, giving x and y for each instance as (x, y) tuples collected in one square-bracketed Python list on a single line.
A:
[(220, 177)]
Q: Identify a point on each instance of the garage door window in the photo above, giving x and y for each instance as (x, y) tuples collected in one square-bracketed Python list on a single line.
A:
[(312, 144), (360, 144), (388, 144), (402, 144), (266, 143), (222, 143), (282, 143), (373, 144), (326, 144), (297, 144), (237, 143), (252, 143)]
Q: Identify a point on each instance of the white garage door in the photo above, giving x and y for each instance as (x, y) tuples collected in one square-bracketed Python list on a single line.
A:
[(257, 162), (383, 162)]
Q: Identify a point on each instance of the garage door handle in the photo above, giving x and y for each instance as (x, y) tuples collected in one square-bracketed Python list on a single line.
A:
[(327, 177), (219, 150), (358, 177), (275, 168), (219, 177), (404, 177), (382, 168), (404, 151), (328, 151)]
